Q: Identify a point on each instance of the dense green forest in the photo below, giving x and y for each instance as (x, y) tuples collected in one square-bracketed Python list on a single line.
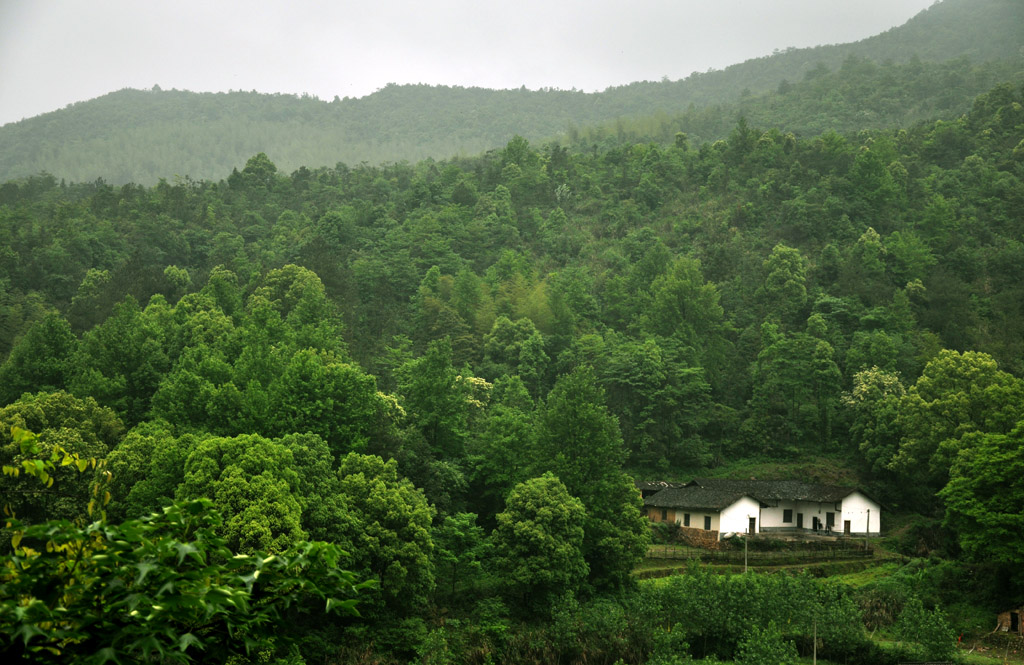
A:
[(927, 69), (393, 412), (453, 370)]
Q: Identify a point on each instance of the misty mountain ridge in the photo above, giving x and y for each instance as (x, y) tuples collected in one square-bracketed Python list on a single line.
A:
[(143, 135)]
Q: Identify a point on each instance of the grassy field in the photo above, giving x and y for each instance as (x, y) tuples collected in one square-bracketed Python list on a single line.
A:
[(983, 653), (868, 575), (654, 569), (819, 564)]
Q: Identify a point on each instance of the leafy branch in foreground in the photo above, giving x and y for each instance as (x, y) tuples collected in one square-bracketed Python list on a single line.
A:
[(42, 461), (164, 587), (40, 468)]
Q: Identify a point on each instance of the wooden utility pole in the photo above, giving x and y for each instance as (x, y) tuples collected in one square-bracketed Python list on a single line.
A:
[(815, 659)]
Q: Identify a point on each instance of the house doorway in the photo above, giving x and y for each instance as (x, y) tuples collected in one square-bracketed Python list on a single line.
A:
[(753, 525), (799, 520), (846, 527)]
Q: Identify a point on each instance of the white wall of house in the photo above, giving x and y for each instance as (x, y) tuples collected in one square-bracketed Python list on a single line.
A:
[(773, 517), (858, 509), (736, 518), (855, 508), (697, 518)]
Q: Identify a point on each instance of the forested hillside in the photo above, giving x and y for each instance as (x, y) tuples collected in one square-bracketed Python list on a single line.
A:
[(926, 69), (447, 369)]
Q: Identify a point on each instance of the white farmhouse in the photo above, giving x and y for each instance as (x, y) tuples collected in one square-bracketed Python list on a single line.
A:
[(758, 506)]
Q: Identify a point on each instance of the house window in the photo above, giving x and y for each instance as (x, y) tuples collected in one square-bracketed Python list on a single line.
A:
[(664, 514), (787, 516), (707, 523)]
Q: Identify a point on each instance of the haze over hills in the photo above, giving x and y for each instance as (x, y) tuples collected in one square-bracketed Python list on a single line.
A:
[(141, 136)]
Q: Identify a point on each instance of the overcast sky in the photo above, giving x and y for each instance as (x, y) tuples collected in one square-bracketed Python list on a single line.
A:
[(54, 52)]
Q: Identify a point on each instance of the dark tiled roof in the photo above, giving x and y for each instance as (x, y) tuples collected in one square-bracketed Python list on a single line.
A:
[(655, 485), (719, 493), (775, 490), (693, 497)]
